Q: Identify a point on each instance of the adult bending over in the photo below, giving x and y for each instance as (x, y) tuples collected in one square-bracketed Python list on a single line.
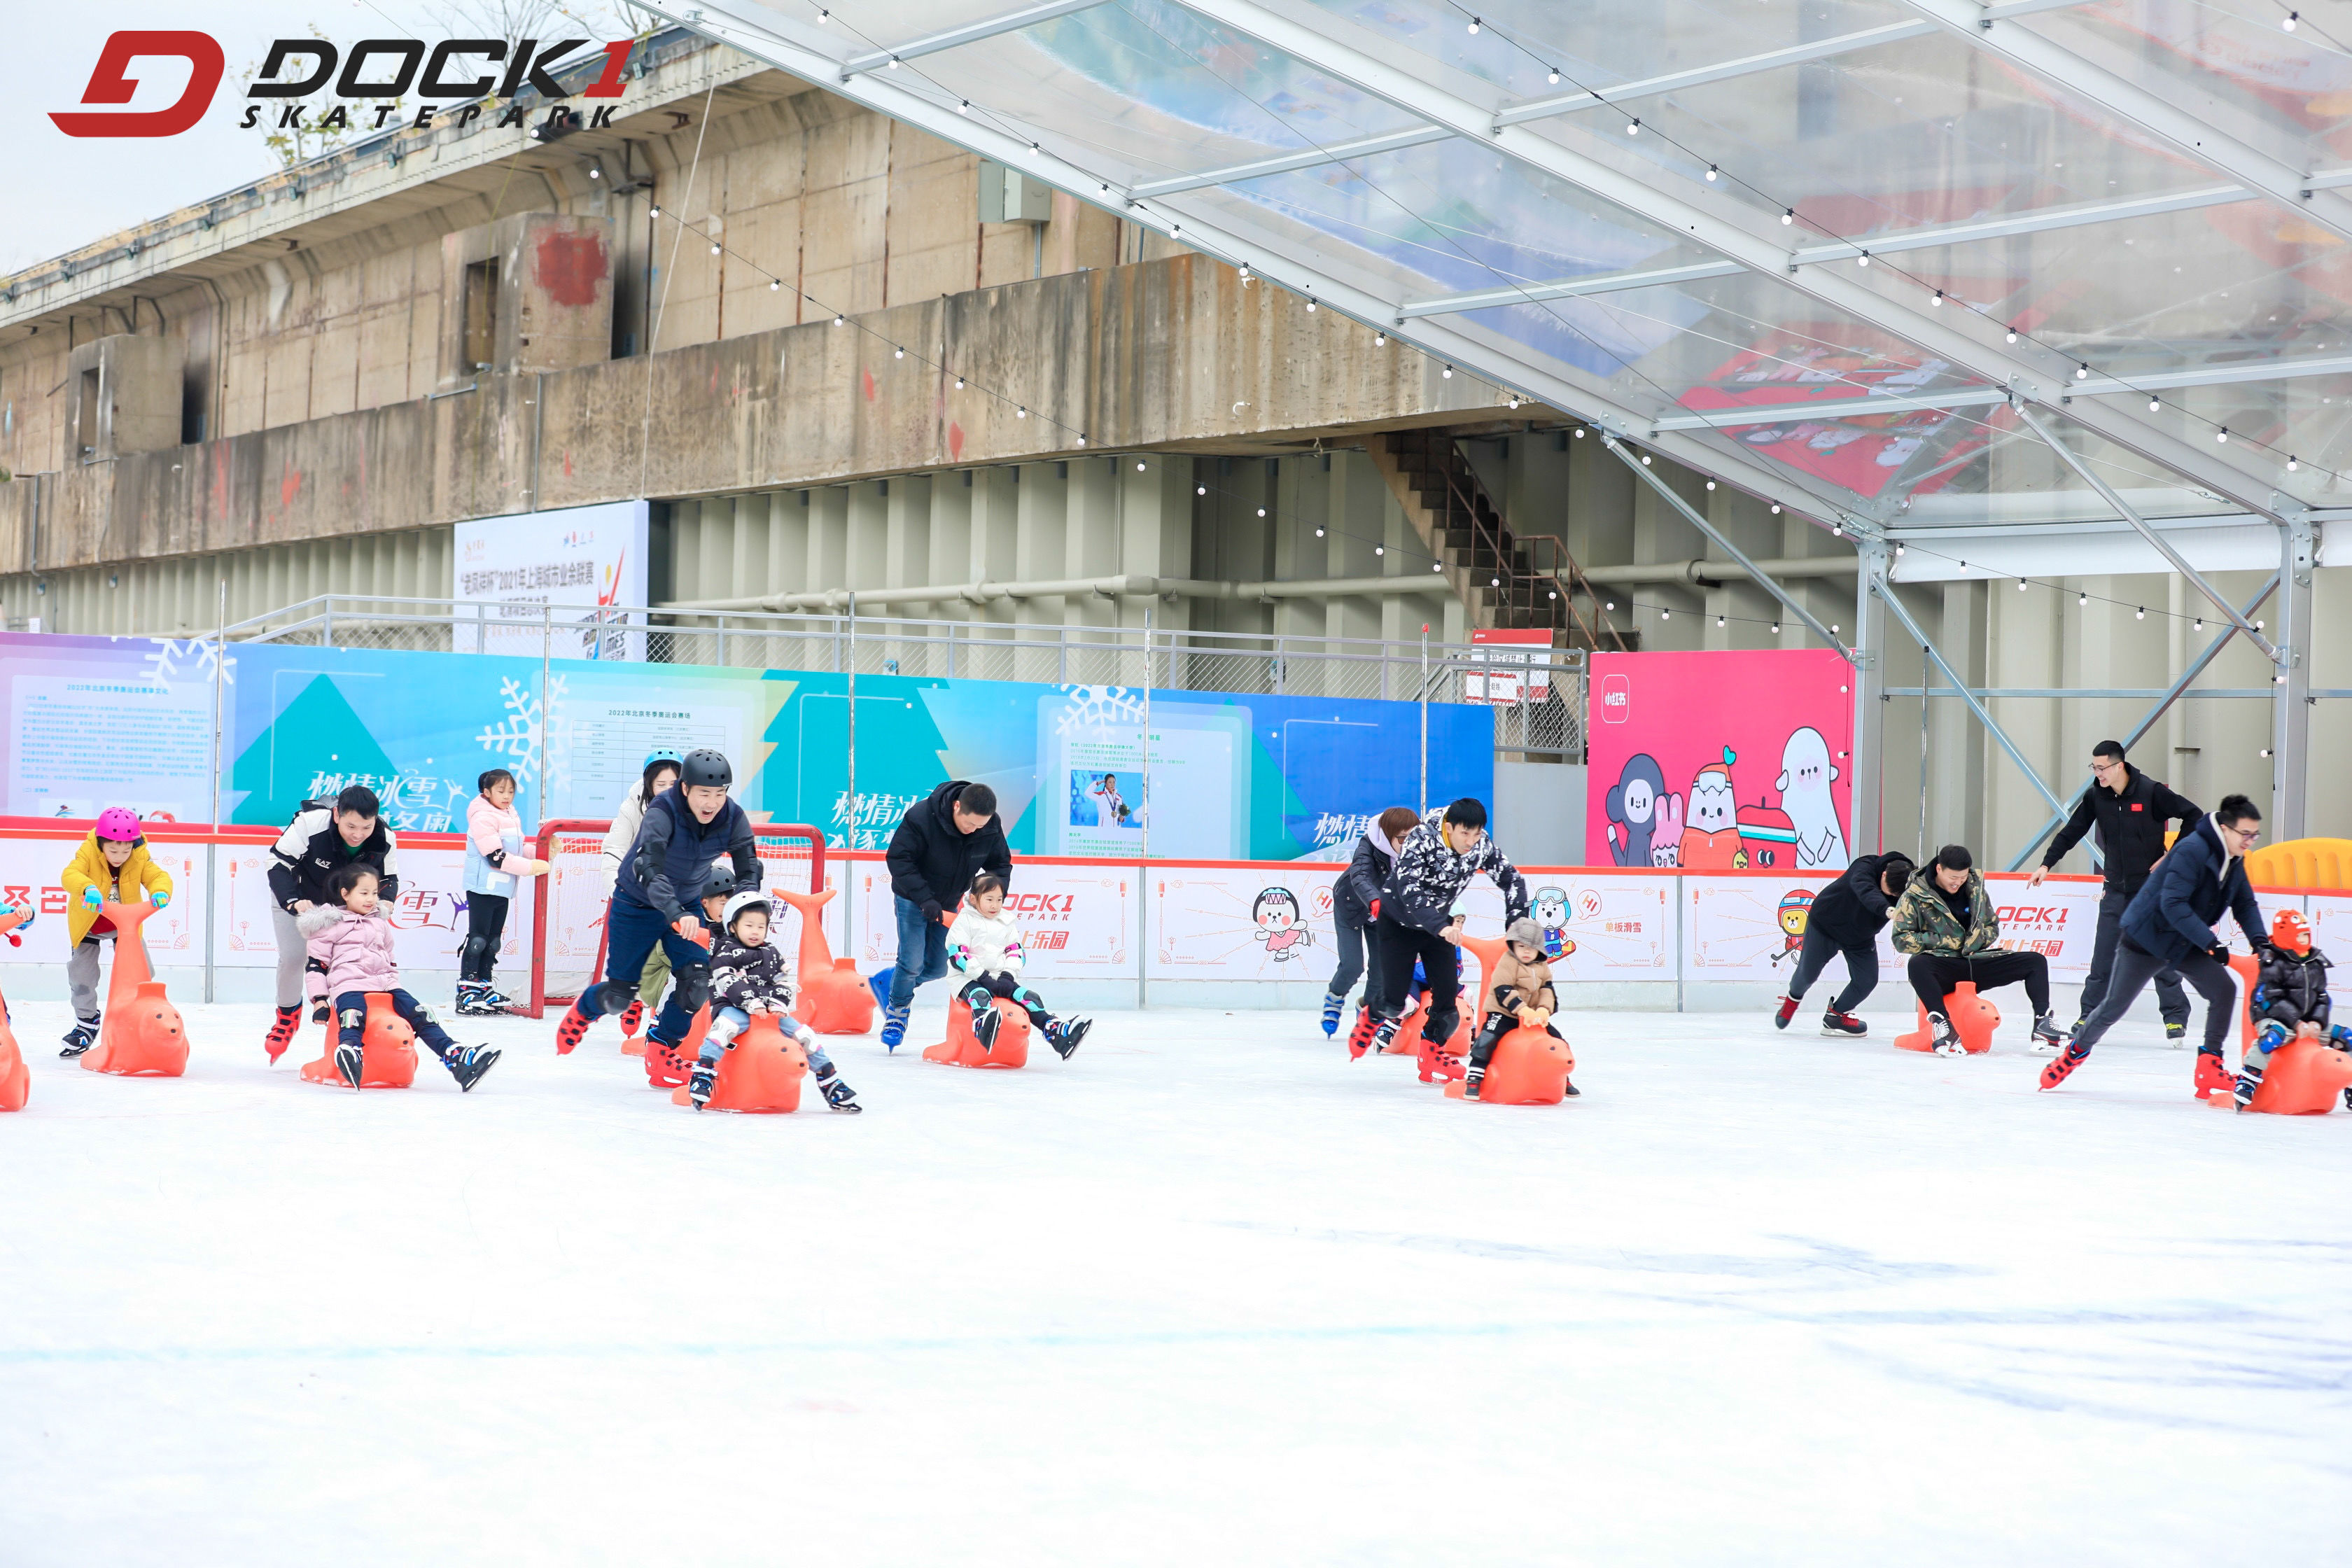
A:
[(660, 772), (2170, 924), (2130, 810), (324, 837), (941, 844), (1353, 895), (1420, 916), (1845, 920), (1945, 921)]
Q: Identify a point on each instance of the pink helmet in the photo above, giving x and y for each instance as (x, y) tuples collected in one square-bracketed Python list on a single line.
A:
[(119, 823)]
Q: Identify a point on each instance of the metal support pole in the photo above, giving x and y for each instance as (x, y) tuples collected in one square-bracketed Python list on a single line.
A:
[(1424, 720), (2148, 722), (1983, 716), (1866, 769), (1926, 675), (722, 639), (849, 833), (327, 625), (1692, 515), (546, 645), (1143, 863), (212, 844), (2106, 493), (2291, 742)]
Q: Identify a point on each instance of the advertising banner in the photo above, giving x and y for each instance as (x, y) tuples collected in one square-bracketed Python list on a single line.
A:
[(575, 564), (1240, 922), (1720, 762), (30, 874), (1077, 921)]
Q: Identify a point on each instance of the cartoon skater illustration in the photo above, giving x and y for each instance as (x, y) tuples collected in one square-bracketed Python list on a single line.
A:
[(1796, 908), (1280, 925), (1551, 916), (1711, 840), (1804, 787), (1633, 807)]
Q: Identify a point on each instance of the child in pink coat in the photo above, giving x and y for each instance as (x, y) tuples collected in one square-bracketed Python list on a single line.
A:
[(350, 938)]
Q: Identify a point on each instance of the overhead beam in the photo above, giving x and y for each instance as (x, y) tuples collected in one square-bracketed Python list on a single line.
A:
[(2183, 133), (1338, 153), (1693, 516), (2106, 492), (970, 33), (2037, 375), (905, 97)]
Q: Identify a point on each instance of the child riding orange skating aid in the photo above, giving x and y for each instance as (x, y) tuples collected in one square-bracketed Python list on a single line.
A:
[(112, 862), (2291, 1004)]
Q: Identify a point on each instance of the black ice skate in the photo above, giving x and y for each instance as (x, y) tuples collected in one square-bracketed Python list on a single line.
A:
[(495, 1000), (985, 1022), (2047, 1035), (466, 1064), (80, 1038), (351, 1063), (1383, 1036), (1836, 1023), (840, 1096), (2249, 1080), (700, 1081), (1787, 1010), (1064, 1034), (1471, 1081), (473, 1000), (1946, 1041)]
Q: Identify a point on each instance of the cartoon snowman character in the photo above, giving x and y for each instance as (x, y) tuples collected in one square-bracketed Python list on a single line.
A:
[(1551, 915), (1280, 925), (1804, 787), (1710, 840)]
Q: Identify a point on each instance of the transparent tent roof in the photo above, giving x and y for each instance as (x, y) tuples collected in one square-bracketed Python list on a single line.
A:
[(1823, 249)]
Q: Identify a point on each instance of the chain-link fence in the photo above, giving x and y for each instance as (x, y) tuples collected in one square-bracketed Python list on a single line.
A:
[(1537, 694)]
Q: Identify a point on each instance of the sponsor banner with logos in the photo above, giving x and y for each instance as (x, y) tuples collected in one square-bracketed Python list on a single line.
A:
[(1745, 928), (1597, 925), (31, 874)]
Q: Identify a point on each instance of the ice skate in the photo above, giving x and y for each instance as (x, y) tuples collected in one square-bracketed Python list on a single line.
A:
[(840, 1096), (473, 999), (1836, 1023), (570, 1030), (985, 1021), (700, 1081), (1331, 1006), (2046, 1036), (1359, 1038), (81, 1037), (1471, 1081), (633, 1017), (1946, 1041), (281, 1032), (1788, 1010), (1064, 1034), (2073, 1057), (349, 1061), (879, 983), (1378, 1038), (466, 1064), (894, 1026), (1569, 1089), (2213, 1073), (2249, 1081), (495, 1001), (2176, 1035)]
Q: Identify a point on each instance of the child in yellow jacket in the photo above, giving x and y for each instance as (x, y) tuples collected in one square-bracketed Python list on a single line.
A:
[(112, 866)]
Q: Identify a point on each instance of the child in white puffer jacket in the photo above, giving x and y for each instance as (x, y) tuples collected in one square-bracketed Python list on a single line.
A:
[(984, 947)]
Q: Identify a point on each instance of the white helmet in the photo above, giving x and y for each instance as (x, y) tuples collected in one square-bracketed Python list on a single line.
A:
[(750, 899)]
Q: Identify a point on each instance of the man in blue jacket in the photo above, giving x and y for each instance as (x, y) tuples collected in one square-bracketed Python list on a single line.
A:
[(657, 895), (2170, 924)]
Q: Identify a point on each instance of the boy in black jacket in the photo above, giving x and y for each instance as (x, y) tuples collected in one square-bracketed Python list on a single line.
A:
[(2290, 992), (1846, 920), (750, 975), (1420, 916)]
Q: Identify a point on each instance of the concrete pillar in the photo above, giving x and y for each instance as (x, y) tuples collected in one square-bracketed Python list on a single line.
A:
[(1041, 551), (906, 549)]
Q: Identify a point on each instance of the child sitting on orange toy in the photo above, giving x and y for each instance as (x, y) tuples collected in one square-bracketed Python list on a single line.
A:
[(750, 975), (350, 935), (112, 865), (1521, 993), (984, 944), (2290, 994)]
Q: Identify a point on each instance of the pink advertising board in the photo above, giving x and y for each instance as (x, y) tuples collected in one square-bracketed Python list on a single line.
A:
[(1720, 762)]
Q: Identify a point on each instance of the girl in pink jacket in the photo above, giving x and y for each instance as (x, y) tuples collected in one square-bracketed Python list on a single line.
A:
[(350, 938)]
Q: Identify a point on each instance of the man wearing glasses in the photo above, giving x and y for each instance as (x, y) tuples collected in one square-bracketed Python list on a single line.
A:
[(2130, 810), (2170, 921)]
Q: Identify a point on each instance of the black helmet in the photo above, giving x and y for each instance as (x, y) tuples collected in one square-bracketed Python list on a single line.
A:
[(706, 767)]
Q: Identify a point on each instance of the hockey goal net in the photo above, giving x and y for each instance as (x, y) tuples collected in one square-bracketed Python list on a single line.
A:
[(567, 934)]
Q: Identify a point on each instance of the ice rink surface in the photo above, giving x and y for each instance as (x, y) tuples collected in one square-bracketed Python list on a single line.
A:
[(1208, 1293)]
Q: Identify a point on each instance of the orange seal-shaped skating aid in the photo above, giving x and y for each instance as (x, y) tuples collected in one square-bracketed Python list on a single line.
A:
[(1973, 1020), (15, 1078), (962, 1049), (387, 1049), (760, 1075), (142, 1036), (1530, 1067), (834, 998), (2304, 1077)]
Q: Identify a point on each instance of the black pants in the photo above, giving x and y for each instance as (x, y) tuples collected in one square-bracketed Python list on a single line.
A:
[(1359, 955), (1398, 946), (1861, 968), (979, 990), (485, 925), (1934, 975), (2172, 999), (2135, 968)]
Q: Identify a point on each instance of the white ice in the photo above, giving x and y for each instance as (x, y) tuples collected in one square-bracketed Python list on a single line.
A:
[(1207, 1294)]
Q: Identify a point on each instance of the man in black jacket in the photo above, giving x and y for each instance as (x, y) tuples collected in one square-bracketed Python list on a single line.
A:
[(941, 844), (1846, 919), (2129, 809), (324, 837)]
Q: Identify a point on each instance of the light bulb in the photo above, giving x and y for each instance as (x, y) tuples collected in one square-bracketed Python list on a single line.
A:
[(1710, 484), (1310, 302), (1776, 508), (2293, 463), (1473, 26), (1580, 432), (1380, 340), (1379, 550), (1019, 412), (2082, 598), (1493, 582), (2222, 433), (2082, 371), (1610, 606), (1174, 229), (2154, 403), (2291, 19), (1664, 614), (1437, 566), (1514, 402), (1633, 128), (1318, 533), (2013, 334), (1788, 215), (1898, 550), (1553, 76), (894, 62), (774, 284), (1554, 594), (1863, 261), (2140, 614), (1139, 467), (1449, 373), (1261, 512), (1718, 620), (1646, 459), (823, 15), (1939, 297), (1710, 171), (714, 251), (1776, 628), (964, 106), (655, 211), (898, 354), (1199, 489), (2021, 585), (595, 174), (841, 321), (959, 384), (1082, 438)]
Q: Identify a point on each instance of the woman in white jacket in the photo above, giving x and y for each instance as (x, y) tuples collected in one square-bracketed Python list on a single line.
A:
[(660, 772), (985, 948)]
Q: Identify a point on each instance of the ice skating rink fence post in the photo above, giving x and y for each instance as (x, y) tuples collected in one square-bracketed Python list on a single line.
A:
[(1142, 921), (212, 845), (849, 833)]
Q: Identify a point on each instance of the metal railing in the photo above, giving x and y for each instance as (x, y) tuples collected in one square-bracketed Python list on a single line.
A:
[(1544, 720)]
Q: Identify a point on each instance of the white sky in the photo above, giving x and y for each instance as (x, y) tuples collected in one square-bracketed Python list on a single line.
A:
[(66, 191)]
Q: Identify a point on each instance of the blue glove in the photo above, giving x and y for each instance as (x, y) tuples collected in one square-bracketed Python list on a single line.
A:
[(161, 900), (89, 896)]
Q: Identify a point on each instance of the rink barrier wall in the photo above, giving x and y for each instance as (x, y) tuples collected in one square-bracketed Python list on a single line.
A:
[(1101, 933)]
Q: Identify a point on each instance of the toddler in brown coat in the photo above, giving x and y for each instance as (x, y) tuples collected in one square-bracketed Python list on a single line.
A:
[(1518, 991)]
